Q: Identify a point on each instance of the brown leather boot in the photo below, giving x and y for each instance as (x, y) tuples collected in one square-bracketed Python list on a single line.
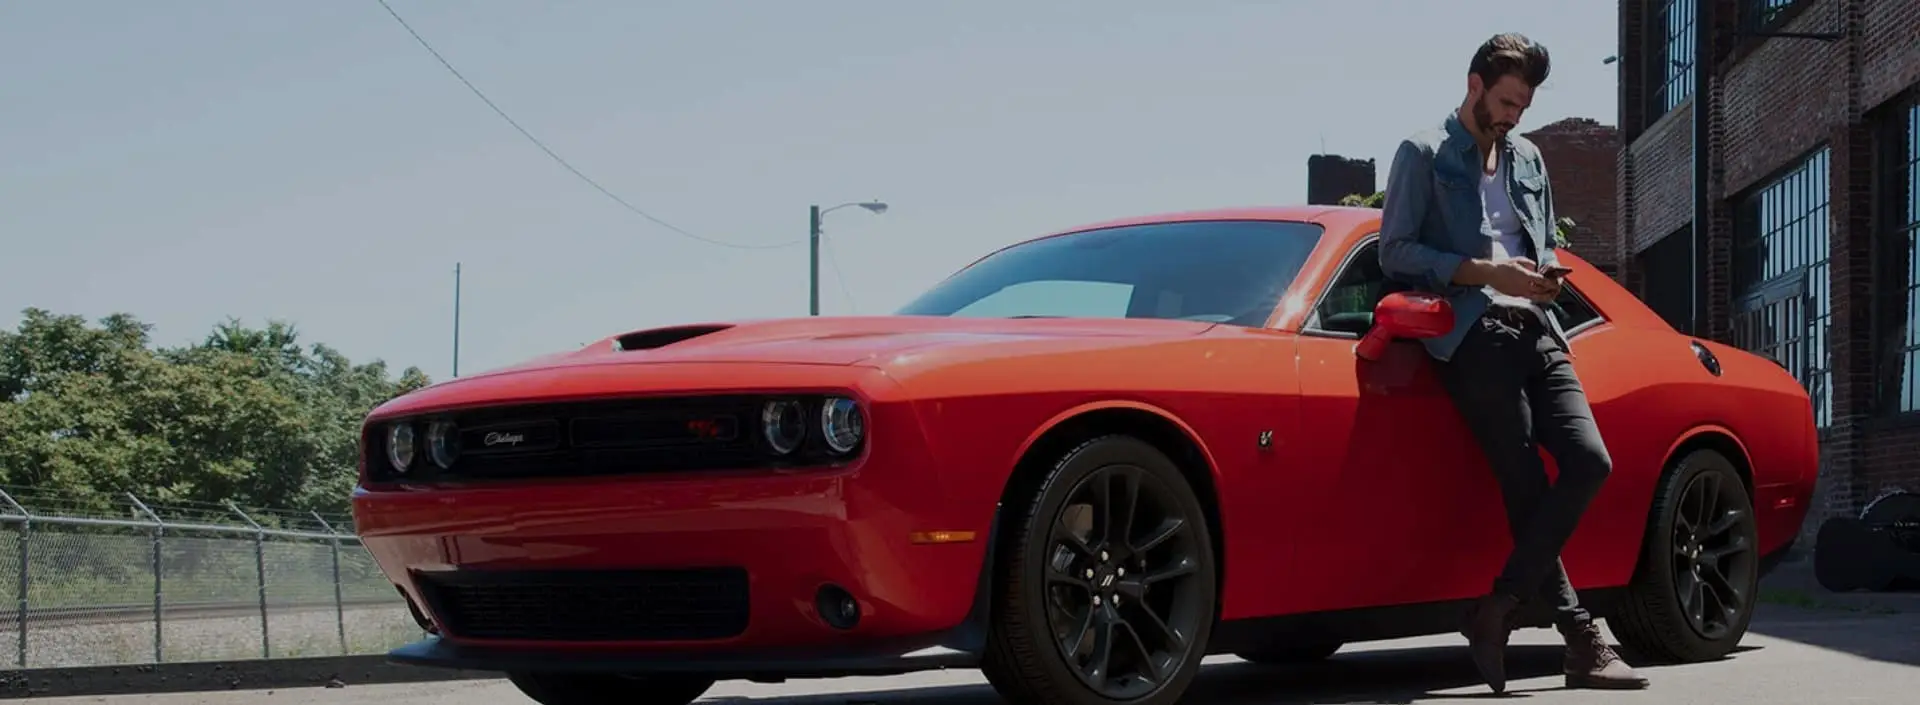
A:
[(1487, 632), (1592, 664)]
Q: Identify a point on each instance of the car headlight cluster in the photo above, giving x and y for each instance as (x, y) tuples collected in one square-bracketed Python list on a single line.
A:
[(785, 424), (442, 445), (775, 430)]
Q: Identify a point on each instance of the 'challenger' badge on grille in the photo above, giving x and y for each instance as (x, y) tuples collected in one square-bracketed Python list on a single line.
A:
[(498, 438)]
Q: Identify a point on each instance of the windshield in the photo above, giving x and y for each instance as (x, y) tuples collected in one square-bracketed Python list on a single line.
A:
[(1230, 271)]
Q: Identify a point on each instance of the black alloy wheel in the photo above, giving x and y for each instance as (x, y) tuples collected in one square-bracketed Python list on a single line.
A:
[(1114, 588), (1713, 560), (1693, 594)]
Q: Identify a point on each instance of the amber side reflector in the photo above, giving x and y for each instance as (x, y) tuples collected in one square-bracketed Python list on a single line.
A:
[(941, 536)]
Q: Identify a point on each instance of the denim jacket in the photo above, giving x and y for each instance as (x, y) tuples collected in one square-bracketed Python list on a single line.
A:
[(1432, 215)]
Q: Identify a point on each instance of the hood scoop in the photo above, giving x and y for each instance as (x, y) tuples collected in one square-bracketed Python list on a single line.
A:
[(662, 337)]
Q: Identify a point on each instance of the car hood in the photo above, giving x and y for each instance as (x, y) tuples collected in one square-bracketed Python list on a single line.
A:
[(844, 340)]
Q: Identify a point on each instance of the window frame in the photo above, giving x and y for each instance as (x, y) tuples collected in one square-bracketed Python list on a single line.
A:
[(1798, 195), (1663, 76), (1896, 317), (1310, 326)]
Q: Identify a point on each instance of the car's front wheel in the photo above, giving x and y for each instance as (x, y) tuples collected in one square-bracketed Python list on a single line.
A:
[(605, 689), (1108, 584), (1692, 595)]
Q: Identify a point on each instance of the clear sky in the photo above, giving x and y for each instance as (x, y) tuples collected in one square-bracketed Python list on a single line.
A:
[(191, 160)]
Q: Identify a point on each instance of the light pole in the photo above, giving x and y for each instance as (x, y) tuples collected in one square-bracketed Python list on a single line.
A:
[(813, 245)]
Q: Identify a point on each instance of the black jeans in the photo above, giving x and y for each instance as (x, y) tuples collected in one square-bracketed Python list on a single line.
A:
[(1514, 384)]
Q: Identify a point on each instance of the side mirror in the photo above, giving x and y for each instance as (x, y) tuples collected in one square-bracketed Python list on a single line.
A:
[(1404, 315)]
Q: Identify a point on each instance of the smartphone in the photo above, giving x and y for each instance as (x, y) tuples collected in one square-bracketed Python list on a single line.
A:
[(1556, 271)]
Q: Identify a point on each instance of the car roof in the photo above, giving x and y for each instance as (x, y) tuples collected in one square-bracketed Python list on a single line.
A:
[(1333, 216)]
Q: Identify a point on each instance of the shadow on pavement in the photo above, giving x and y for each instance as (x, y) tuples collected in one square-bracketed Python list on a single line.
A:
[(1392, 676), (1888, 638)]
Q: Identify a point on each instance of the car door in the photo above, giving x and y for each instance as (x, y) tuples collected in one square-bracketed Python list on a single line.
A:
[(1392, 466)]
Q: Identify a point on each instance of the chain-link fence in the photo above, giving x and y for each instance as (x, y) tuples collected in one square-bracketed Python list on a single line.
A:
[(120, 581)]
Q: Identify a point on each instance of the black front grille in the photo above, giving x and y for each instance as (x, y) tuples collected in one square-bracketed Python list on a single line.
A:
[(590, 605), (599, 438)]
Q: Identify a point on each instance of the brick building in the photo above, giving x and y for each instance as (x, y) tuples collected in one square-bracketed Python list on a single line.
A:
[(1583, 158), (1331, 177), (1804, 241)]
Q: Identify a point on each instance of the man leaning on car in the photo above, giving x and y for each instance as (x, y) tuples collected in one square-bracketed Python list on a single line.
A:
[(1468, 214)]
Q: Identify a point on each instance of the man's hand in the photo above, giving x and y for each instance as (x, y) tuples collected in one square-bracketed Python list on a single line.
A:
[(1519, 277), (1549, 291)]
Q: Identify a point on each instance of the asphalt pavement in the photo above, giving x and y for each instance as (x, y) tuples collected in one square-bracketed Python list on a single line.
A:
[(1793, 656)]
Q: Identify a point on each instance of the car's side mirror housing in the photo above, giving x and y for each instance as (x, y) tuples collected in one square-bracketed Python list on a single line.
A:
[(1404, 314)]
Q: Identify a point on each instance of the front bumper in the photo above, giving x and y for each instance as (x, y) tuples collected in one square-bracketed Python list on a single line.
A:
[(553, 573)]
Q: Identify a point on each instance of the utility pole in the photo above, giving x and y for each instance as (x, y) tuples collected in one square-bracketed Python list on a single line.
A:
[(456, 319), (813, 267)]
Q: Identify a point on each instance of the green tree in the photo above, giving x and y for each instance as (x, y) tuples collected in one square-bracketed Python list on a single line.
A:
[(249, 415), (1562, 228)]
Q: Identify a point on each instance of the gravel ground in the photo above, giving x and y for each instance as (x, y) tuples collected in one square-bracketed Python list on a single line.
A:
[(291, 633)]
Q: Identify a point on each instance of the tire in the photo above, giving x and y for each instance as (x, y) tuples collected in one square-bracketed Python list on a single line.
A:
[(1653, 624), (1025, 660), (1290, 654), (608, 689)]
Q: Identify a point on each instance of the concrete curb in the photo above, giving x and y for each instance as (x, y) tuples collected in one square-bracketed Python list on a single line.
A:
[(204, 676)]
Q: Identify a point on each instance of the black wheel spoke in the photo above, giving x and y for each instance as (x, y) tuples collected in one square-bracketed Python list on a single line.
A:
[(1172, 527), (1074, 645), (1724, 591), (1169, 637), (1693, 598), (1718, 556), (1724, 523), (1181, 568), (1058, 574), (1102, 657), (1151, 667)]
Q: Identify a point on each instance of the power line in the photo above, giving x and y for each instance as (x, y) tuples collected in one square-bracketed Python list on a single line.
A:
[(834, 262), (556, 157)]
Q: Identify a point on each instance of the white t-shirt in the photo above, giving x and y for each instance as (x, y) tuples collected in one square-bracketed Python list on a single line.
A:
[(1502, 225)]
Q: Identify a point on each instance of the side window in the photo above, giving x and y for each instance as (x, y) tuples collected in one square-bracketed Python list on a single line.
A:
[(1571, 310), (1077, 299), (1348, 304)]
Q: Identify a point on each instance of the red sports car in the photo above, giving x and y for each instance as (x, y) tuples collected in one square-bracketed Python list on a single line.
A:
[(1080, 464)]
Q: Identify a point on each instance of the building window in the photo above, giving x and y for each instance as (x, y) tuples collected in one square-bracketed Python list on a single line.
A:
[(1673, 59), (1901, 191), (1782, 303), (1761, 15)]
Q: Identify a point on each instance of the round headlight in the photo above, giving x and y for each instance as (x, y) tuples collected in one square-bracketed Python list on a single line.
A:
[(400, 446), (841, 423), (443, 443), (784, 423)]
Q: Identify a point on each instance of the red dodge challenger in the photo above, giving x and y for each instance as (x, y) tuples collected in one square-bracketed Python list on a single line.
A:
[(1080, 464)]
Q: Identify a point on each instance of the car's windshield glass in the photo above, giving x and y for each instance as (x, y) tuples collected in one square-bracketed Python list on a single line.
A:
[(1231, 271)]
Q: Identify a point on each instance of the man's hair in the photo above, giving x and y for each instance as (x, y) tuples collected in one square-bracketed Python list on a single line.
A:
[(1511, 53)]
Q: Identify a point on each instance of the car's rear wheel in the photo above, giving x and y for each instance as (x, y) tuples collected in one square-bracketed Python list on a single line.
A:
[(1108, 586), (606, 689), (1692, 596)]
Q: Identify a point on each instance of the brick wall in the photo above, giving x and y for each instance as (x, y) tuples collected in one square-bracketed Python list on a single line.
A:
[(1583, 158), (1662, 188), (1783, 98), (1331, 177), (1770, 102)]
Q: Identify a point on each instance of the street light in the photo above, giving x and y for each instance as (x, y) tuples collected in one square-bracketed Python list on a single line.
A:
[(813, 243)]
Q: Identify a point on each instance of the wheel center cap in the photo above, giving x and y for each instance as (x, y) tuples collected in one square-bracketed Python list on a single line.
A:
[(1105, 578)]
